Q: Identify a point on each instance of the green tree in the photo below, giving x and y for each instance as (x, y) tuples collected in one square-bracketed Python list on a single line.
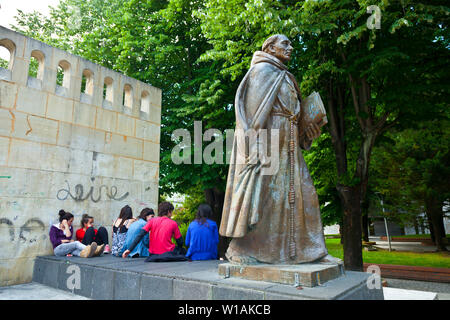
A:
[(413, 174), (370, 79)]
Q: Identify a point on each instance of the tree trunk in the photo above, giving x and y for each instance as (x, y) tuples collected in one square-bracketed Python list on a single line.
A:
[(422, 225), (365, 228), (351, 195), (350, 199), (215, 198), (430, 227), (365, 221), (416, 226), (402, 230), (434, 210)]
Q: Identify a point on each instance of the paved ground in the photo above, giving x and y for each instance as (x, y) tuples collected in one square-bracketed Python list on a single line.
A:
[(36, 291), (442, 289), (403, 246), (419, 285), (406, 246), (402, 294)]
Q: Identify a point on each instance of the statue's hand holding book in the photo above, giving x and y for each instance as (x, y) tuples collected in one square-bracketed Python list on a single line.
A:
[(313, 116)]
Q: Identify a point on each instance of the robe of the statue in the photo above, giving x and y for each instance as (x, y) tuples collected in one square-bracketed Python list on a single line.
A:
[(256, 212)]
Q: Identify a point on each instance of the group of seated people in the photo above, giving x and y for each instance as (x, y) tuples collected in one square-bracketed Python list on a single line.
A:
[(147, 236)]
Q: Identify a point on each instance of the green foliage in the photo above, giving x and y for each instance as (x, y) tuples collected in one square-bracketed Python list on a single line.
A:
[(183, 229), (162, 197), (188, 211), (193, 200), (4, 63), (412, 167), (59, 76), (33, 68), (181, 215), (322, 167)]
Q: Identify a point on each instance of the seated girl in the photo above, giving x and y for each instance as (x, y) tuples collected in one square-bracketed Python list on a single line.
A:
[(61, 239), (120, 229), (141, 250), (87, 234), (202, 236)]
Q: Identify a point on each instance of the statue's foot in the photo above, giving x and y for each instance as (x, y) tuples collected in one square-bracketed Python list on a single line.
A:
[(331, 260), (240, 259)]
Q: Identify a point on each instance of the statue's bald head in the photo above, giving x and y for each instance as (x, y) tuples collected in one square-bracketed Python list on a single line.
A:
[(272, 40), (279, 46)]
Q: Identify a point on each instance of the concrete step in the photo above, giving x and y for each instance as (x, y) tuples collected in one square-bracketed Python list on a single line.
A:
[(113, 278)]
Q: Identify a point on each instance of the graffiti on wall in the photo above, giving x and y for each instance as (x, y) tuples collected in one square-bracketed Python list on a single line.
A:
[(79, 196), (30, 231)]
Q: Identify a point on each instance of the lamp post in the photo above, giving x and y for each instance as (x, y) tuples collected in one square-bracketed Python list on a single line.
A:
[(386, 225)]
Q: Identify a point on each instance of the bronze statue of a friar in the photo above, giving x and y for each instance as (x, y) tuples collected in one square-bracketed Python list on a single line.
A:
[(272, 218)]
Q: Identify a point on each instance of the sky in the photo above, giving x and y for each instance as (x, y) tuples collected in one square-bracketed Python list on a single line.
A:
[(8, 9)]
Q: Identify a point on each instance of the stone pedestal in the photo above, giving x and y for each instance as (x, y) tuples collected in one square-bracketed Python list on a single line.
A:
[(109, 277), (308, 274)]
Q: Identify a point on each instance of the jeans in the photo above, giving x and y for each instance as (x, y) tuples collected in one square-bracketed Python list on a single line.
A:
[(100, 238), (73, 248)]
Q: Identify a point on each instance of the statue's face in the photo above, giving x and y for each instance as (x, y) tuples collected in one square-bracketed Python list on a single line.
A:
[(281, 49)]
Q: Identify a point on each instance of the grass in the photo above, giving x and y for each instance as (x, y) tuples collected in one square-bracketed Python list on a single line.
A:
[(432, 259)]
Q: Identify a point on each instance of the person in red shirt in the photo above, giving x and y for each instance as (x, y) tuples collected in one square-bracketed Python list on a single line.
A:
[(162, 229), (88, 234)]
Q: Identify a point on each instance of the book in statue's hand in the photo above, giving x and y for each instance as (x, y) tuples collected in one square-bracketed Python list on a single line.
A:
[(312, 111)]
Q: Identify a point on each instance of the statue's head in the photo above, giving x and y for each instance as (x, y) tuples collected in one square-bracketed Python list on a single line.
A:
[(279, 46)]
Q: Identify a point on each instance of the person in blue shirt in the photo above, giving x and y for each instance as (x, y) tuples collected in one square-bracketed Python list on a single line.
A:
[(202, 236), (141, 250)]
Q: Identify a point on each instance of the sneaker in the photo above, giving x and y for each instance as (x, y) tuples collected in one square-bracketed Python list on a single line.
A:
[(99, 250), (89, 250), (107, 249)]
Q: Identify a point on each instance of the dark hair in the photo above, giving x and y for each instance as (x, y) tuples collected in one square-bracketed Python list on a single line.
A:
[(64, 215), (164, 208), (204, 212), (85, 219), (146, 212), (125, 214)]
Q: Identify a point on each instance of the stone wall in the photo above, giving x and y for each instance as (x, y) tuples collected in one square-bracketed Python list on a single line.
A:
[(88, 145)]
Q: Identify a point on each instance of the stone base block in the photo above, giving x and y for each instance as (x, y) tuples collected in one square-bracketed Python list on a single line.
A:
[(308, 274)]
